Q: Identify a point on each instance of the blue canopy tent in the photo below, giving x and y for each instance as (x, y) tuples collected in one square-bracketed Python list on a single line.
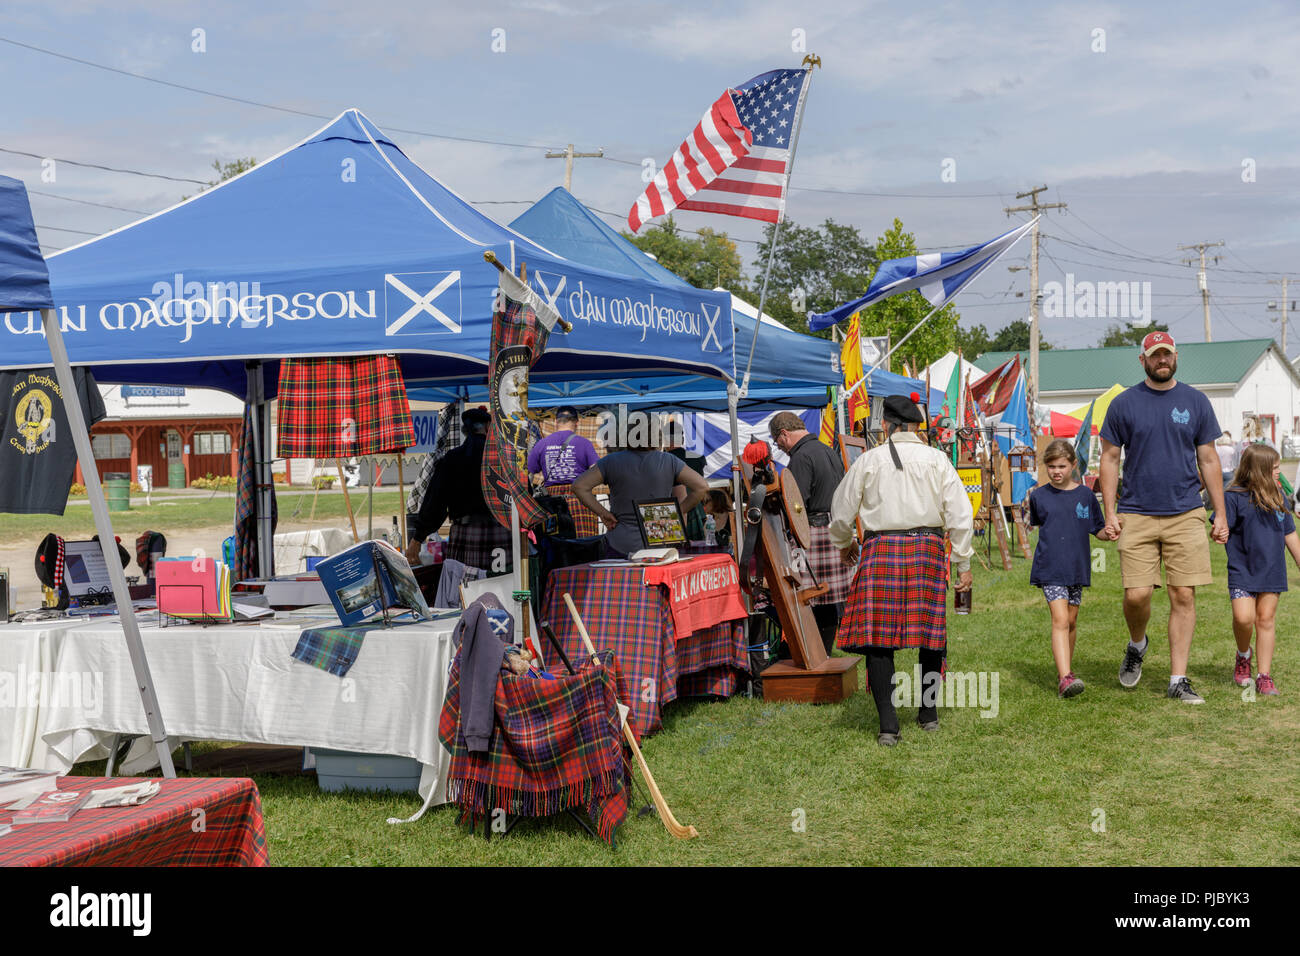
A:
[(788, 366), (25, 287), (341, 245)]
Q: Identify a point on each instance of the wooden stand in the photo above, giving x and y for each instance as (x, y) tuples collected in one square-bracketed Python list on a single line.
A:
[(809, 676)]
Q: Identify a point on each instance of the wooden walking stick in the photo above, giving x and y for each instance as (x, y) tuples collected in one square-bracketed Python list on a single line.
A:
[(666, 815)]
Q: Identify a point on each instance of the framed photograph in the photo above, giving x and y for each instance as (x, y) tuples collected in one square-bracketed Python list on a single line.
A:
[(661, 522)]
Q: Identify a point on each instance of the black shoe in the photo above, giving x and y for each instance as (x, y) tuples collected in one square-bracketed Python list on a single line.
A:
[(887, 740), (1130, 672), (930, 725), (1183, 691)]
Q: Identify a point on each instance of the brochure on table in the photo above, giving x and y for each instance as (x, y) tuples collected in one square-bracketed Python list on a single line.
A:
[(369, 578)]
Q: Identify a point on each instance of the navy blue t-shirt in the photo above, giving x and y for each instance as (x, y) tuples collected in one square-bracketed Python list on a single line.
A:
[(1256, 548), (1160, 431), (1064, 554)]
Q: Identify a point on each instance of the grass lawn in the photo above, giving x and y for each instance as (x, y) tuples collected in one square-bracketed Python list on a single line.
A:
[(1178, 785), (195, 511)]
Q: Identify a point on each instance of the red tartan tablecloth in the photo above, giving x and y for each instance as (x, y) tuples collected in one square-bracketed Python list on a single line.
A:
[(635, 622), (166, 830)]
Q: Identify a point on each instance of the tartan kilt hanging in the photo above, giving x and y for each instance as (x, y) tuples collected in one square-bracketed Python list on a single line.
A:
[(828, 567), (342, 407)]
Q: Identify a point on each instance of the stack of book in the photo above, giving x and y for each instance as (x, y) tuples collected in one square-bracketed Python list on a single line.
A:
[(194, 588)]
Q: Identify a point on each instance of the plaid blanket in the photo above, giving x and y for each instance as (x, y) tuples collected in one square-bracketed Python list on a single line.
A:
[(898, 595), (335, 649), (555, 744), (338, 407)]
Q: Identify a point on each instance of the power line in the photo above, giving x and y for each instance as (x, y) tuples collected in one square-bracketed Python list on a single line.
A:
[(80, 232), (248, 102), (111, 169), (86, 202)]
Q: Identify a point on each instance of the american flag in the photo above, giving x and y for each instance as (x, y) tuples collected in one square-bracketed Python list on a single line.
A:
[(736, 160)]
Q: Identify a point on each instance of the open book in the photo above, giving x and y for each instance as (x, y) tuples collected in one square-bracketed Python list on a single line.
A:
[(369, 578), (654, 556)]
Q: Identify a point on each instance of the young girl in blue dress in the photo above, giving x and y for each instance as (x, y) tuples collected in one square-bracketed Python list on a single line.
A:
[(1068, 513), (1260, 532)]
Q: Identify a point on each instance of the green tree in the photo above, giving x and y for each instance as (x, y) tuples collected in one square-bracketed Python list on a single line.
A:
[(814, 269), (973, 342), (1015, 338), (899, 314), (707, 260), (228, 171), (1117, 335)]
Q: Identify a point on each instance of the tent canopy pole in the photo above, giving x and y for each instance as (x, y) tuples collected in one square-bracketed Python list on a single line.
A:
[(107, 540)]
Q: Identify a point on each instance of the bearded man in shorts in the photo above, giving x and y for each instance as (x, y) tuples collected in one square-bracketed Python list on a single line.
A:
[(1167, 430)]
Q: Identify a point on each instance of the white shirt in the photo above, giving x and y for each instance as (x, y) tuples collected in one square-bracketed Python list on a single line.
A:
[(926, 493)]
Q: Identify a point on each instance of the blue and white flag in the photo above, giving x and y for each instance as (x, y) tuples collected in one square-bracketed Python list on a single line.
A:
[(1015, 429), (938, 275)]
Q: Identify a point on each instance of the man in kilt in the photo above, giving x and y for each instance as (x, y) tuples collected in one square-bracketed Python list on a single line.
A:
[(817, 471), (476, 539), (906, 495)]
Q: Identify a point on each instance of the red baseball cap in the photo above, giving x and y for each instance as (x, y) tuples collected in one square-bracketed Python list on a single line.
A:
[(1156, 341)]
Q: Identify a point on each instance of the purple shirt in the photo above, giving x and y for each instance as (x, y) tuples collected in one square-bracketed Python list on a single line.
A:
[(561, 457)]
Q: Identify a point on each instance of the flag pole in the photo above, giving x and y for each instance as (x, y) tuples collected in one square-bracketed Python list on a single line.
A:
[(811, 61)]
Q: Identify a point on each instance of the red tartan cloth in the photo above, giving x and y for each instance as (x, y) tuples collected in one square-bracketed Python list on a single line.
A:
[(159, 832), (340, 407), (702, 591), (634, 621), (555, 744), (898, 595)]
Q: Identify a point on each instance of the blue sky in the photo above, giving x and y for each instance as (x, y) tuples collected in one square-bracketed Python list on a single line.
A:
[(1145, 140)]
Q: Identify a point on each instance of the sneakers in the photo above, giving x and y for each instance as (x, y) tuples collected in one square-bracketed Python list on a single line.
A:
[(1241, 672), (887, 740), (1183, 691), (1130, 672), (1069, 686), (1264, 686)]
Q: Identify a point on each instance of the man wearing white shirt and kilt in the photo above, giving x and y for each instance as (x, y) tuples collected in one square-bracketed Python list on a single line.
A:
[(906, 494)]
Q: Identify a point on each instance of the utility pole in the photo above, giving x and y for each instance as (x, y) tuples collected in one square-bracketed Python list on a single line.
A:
[(1286, 306), (1035, 207), (569, 156), (1201, 280)]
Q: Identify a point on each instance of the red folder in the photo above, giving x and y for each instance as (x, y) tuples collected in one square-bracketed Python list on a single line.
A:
[(187, 587)]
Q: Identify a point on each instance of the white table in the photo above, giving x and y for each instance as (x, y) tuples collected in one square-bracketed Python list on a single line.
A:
[(233, 682)]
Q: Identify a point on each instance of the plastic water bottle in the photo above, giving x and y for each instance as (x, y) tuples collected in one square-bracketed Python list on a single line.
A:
[(710, 529)]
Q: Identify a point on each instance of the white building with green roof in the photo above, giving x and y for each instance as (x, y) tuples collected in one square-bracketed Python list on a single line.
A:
[(1242, 378)]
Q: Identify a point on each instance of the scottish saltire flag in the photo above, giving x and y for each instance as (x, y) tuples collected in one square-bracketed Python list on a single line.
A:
[(937, 275), (1083, 441), (736, 161), (709, 434)]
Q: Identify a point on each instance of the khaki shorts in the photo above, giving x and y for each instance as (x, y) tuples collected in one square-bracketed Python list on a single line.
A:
[(1177, 541)]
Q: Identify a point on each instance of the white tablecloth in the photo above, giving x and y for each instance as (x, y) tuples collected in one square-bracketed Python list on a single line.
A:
[(66, 687)]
